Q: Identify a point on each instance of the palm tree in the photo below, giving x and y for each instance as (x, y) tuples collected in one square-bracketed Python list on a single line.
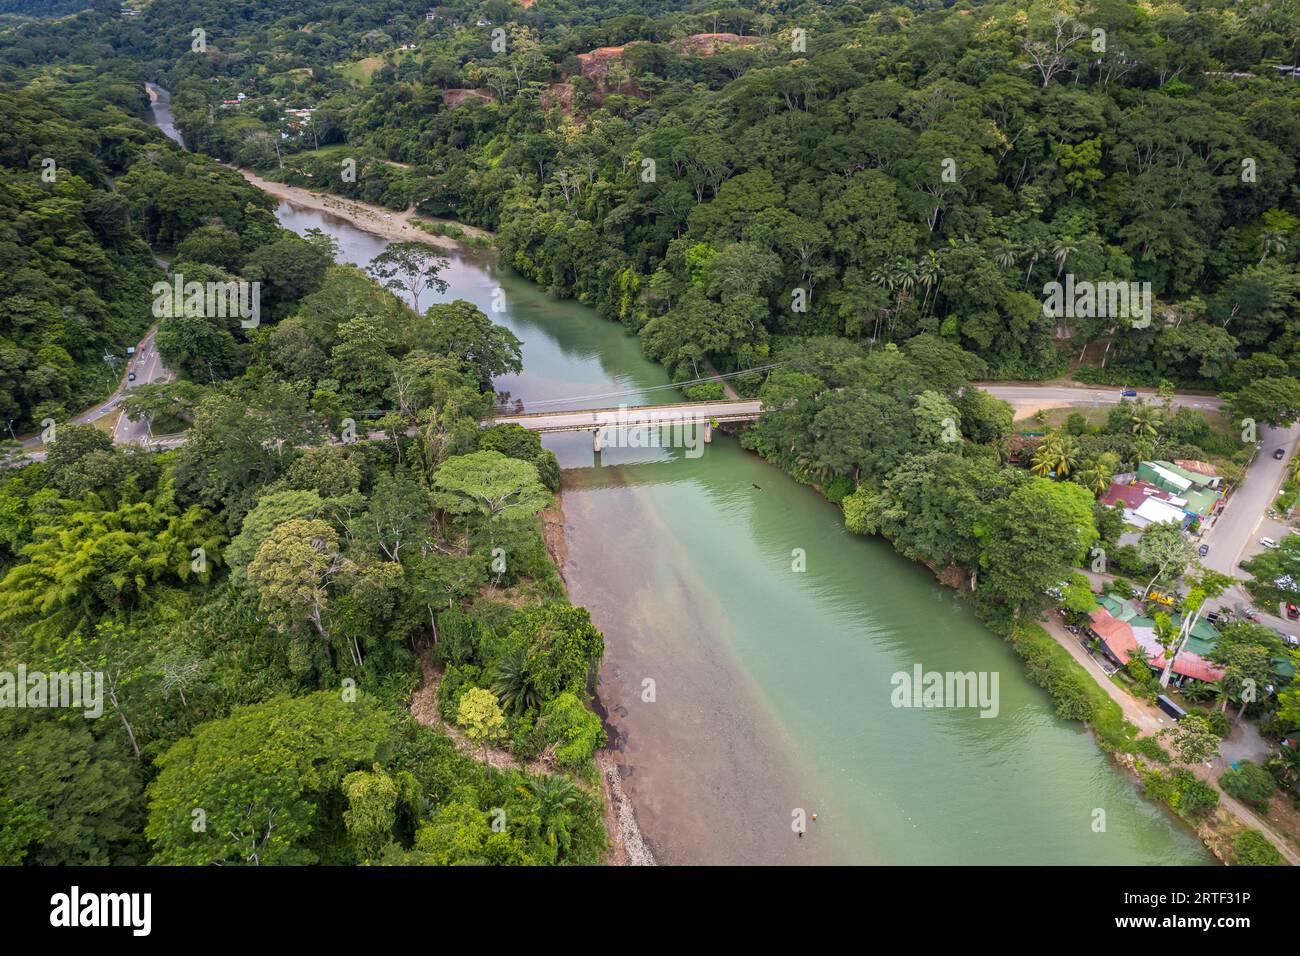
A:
[(1058, 454), (1044, 455), (1006, 256), (1061, 252), (930, 275), (1034, 254), (1145, 420), (555, 794), (1096, 473), (884, 278), (1271, 242), (1067, 456), (513, 687)]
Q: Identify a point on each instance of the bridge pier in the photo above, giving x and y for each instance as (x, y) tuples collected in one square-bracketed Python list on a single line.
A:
[(708, 433), (595, 444)]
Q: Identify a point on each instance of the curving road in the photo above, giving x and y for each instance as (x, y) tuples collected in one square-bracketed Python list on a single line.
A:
[(147, 367)]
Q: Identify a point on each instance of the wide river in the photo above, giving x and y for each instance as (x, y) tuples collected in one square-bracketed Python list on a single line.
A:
[(743, 691)]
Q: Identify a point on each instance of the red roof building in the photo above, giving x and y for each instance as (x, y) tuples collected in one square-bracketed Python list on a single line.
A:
[(1132, 496), (1121, 639)]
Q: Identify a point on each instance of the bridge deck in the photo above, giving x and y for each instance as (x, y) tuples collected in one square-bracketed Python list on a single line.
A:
[(634, 416)]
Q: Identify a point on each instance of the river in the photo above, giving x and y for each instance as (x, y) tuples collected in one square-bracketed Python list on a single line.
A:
[(743, 691)]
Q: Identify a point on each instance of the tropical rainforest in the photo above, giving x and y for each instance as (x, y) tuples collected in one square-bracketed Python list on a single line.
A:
[(265, 584)]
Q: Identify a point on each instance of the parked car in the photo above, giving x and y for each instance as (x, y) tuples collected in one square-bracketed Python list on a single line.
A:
[(1291, 641), (1128, 393), (1268, 542), (1293, 612), (1203, 550), (131, 377), (1253, 616), (1279, 453)]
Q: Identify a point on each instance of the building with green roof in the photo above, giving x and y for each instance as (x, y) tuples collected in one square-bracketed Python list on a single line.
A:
[(1193, 489)]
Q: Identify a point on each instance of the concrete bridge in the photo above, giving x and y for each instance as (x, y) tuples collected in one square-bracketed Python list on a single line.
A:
[(598, 420)]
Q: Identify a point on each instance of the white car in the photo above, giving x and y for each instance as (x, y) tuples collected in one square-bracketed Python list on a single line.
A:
[(1268, 542)]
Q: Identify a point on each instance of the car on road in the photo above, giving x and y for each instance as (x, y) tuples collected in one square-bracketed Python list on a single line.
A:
[(131, 377), (1128, 393), (1268, 542), (1293, 612), (1253, 616), (1203, 550), (1279, 453)]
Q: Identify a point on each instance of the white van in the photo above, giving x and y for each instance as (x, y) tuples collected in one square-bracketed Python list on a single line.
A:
[(1268, 542)]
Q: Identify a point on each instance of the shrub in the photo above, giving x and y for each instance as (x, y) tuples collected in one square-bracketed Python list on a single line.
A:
[(1196, 798), (1046, 668), (1219, 722), (575, 730), (1138, 669), (861, 511), (705, 392), (1249, 783), (1150, 748), (1181, 791), (839, 488), (1252, 849), (456, 680), (1072, 699), (459, 637)]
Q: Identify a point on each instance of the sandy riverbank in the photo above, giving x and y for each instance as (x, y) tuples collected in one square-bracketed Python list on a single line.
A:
[(376, 220), (628, 846)]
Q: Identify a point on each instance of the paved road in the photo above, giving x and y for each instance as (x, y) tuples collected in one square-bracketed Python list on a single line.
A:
[(592, 419), (147, 366), (1237, 530), (1040, 396)]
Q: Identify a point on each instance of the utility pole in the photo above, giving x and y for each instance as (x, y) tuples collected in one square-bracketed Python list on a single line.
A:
[(111, 361)]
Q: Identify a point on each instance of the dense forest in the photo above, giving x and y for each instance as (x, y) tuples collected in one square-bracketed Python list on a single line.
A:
[(897, 168), (871, 197), (265, 602)]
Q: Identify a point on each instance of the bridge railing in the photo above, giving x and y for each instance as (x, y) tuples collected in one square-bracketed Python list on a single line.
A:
[(751, 404)]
